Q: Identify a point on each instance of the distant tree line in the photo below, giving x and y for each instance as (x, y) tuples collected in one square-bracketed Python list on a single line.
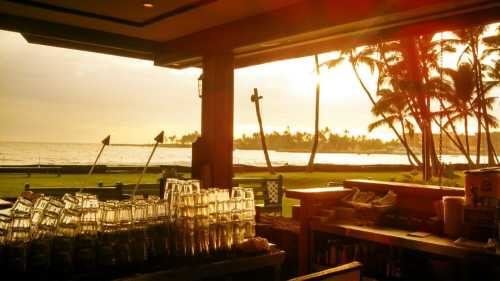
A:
[(335, 142), (186, 139), (327, 142)]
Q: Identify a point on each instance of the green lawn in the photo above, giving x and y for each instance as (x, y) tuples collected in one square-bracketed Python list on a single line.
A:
[(13, 184)]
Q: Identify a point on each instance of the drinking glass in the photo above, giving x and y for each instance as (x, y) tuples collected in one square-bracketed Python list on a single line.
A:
[(124, 244), (21, 206), (195, 185), (139, 212), (47, 225), (16, 247), (125, 213), (86, 240), (162, 210), (225, 230), (237, 192), (109, 211), (20, 227), (5, 222), (108, 237), (202, 228), (68, 223), (70, 202), (249, 213), (54, 206), (89, 201), (41, 203), (170, 186)]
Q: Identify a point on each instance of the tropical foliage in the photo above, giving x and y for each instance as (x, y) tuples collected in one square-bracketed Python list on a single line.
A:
[(416, 93)]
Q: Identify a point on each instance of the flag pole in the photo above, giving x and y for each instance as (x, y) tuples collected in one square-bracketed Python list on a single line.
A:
[(159, 139), (104, 142)]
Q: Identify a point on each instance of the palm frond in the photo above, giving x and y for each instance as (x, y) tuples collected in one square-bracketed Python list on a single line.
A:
[(333, 62)]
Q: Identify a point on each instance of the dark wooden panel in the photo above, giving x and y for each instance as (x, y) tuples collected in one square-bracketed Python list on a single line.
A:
[(115, 19), (313, 21), (78, 38), (217, 117), (217, 270), (364, 34)]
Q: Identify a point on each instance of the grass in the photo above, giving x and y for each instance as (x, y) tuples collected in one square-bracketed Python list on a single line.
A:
[(12, 185)]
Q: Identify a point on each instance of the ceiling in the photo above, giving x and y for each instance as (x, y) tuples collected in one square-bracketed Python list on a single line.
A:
[(178, 33), (167, 19)]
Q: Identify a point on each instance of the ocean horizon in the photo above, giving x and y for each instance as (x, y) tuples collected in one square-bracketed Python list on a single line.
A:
[(52, 153)]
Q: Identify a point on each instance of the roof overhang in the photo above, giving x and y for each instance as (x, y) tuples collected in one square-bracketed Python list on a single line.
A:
[(254, 34), (262, 39)]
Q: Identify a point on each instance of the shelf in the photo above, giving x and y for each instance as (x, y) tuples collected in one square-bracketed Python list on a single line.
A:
[(399, 238)]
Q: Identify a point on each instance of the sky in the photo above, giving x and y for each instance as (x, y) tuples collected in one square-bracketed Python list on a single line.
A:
[(50, 94)]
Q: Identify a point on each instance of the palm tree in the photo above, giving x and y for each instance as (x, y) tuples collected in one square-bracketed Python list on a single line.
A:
[(310, 165), (393, 107), (366, 56), (471, 38), (460, 96)]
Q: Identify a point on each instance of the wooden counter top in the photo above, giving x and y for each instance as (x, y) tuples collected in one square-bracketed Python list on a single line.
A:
[(317, 193)]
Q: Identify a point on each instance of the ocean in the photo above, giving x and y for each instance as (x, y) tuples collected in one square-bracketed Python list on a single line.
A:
[(24, 153)]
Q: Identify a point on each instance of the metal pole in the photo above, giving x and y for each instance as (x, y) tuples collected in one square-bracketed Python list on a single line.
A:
[(104, 142), (158, 139)]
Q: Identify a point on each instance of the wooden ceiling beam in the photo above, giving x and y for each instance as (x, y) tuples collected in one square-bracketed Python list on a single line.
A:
[(368, 34), (60, 35), (305, 24)]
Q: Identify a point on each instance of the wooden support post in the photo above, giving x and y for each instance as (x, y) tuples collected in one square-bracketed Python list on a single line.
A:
[(217, 120)]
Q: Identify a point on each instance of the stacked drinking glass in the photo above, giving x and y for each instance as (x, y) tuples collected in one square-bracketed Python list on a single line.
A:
[(18, 236), (208, 222), (79, 233)]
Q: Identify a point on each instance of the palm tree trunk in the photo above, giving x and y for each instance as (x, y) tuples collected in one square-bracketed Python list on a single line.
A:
[(435, 163), (310, 165), (456, 141), (482, 105), (403, 134), (466, 129), (479, 129), (412, 60), (372, 100), (255, 99)]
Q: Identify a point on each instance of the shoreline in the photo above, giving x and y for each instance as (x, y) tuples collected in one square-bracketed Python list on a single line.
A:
[(298, 150), (237, 168), (289, 150)]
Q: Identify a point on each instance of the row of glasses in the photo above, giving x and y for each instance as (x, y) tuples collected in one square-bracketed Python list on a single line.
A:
[(208, 221), (18, 235), (80, 232), (63, 245), (86, 238), (139, 224), (107, 241), (44, 219)]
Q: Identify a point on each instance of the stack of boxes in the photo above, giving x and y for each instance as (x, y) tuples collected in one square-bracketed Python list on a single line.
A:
[(482, 204)]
